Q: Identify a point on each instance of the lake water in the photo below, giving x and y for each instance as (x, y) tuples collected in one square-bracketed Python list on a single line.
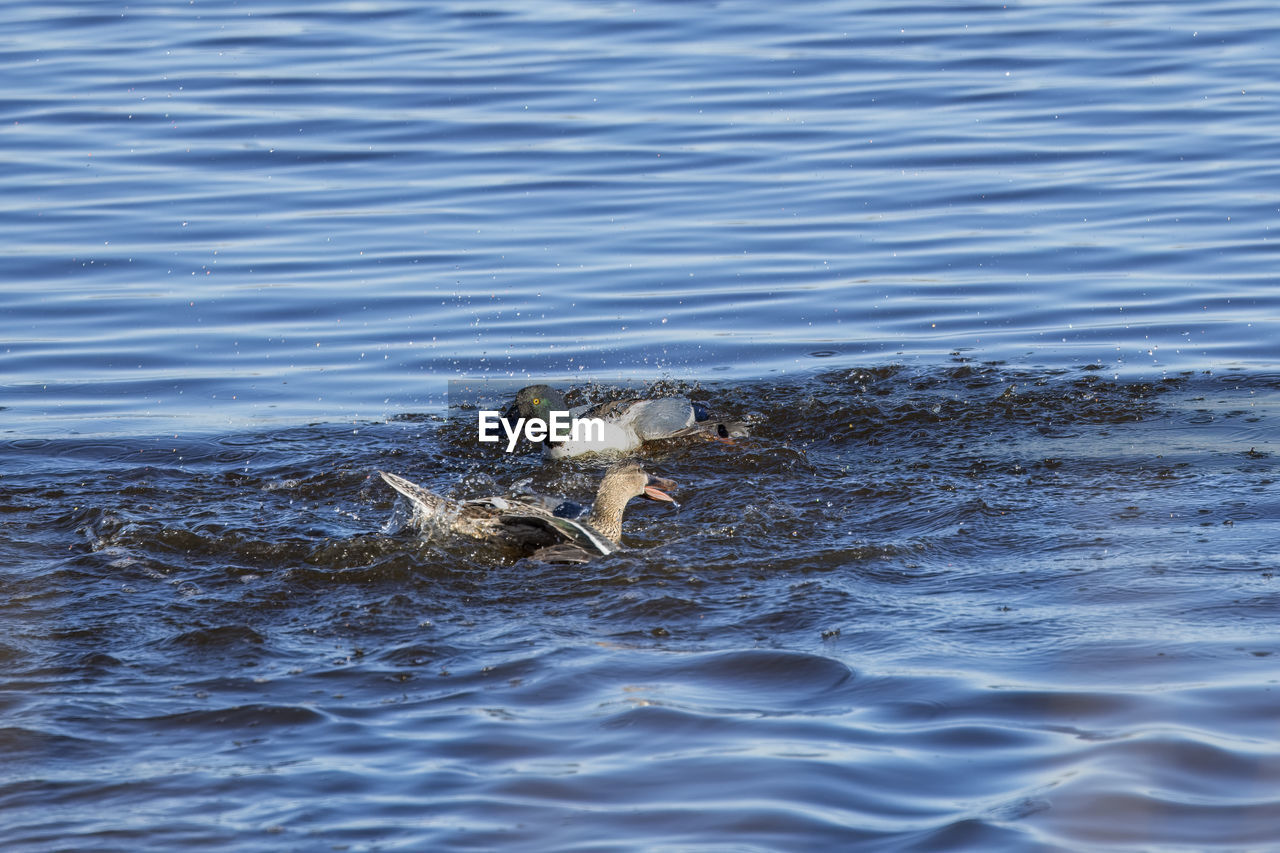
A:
[(994, 286)]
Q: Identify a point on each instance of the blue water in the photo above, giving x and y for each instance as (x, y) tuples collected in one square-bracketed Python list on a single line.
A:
[(228, 213), (994, 285)]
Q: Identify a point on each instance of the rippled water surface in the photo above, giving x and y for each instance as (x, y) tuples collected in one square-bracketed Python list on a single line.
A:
[(993, 286)]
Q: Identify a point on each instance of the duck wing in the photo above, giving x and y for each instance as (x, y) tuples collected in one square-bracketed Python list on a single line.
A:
[(513, 522), (562, 553), (648, 419), (559, 507), (714, 430), (570, 531), (423, 500), (532, 525)]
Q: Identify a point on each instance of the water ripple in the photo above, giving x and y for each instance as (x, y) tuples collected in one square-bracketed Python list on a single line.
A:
[(992, 285)]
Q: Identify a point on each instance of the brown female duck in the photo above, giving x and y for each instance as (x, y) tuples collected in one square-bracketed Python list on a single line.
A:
[(532, 528)]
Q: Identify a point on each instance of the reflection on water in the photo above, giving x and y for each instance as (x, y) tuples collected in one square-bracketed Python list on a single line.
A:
[(967, 607)]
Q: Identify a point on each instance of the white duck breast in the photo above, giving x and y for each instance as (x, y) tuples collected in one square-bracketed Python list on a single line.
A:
[(608, 437)]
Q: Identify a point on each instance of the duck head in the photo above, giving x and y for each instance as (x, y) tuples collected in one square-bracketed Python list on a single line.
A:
[(536, 401), (620, 484), (628, 480)]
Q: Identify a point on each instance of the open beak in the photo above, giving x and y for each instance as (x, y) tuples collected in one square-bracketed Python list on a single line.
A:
[(653, 489)]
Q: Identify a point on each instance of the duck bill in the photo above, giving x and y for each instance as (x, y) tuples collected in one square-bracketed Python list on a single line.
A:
[(653, 490)]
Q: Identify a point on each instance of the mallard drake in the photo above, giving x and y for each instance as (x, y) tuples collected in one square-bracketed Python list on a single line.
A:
[(533, 527), (626, 424)]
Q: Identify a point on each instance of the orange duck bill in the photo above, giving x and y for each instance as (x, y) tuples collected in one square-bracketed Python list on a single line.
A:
[(653, 490)]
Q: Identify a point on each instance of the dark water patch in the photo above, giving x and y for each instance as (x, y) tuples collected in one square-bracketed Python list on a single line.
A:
[(218, 639), (242, 717), (1201, 824), (25, 746), (740, 680)]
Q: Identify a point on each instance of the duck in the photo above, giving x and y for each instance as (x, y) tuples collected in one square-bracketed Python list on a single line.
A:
[(540, 528), (624, 425)]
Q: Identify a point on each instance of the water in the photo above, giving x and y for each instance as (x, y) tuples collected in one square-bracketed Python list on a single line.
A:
[(992, 283)]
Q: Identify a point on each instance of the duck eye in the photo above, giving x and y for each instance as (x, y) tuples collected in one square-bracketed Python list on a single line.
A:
[(537, 401)]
